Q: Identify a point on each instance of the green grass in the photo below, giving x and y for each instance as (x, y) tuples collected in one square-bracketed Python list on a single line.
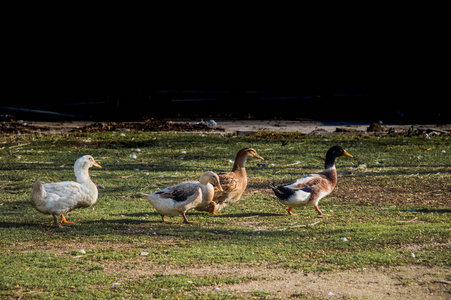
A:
[(392, 201)]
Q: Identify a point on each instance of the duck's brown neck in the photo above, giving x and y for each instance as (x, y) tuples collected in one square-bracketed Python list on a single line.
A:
[(240, 160), (331, 174)]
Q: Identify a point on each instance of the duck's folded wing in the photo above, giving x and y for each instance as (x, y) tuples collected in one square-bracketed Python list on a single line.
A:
[(64, 195), (286, 193), (229, 182), (64, 189), (187, 196), (180, 192), (306, 183), (300, 189)]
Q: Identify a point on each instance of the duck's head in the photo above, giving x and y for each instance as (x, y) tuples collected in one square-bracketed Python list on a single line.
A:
[(242, 156), (333, 153), (86, 162), (210, 177), (337, 151), (249, 152)]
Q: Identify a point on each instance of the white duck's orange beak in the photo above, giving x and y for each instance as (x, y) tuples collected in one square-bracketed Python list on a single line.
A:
[(97, 165)]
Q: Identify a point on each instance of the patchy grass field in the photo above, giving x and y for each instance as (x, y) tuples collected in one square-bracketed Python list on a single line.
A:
[(388, 235)]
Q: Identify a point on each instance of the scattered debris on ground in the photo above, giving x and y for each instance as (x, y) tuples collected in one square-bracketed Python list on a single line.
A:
[(147, 125), (22, 127), (19, 127), (258, 128)]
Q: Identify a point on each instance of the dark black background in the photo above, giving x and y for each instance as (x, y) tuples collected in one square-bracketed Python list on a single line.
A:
[(323, 65)]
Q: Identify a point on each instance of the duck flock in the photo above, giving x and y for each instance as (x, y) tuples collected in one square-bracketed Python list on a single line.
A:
[(211, 193)]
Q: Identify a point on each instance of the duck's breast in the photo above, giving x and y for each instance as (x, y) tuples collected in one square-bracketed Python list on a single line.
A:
[(207, 194), (233, 185), (162, 204)]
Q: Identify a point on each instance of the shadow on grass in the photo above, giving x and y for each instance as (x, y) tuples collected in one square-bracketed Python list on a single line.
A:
[(405, 172), (129, 219), (130, 227), (19, 224), (248, 215), (429, 210), (194, 213), (117, 167)]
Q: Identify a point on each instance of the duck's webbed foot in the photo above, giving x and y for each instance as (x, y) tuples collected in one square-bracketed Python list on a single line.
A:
[(63, 220), (56, 221)]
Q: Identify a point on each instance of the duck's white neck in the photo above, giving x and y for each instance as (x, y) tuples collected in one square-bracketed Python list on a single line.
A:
[(82, 175), (204, 180)]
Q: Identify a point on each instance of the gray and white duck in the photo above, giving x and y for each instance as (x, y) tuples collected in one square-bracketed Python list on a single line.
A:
[(178, 199)]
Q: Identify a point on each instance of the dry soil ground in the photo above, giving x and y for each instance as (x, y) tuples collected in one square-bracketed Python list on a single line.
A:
[(405, 282)]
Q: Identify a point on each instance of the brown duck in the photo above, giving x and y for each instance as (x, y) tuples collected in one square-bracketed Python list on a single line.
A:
[(233, 183)]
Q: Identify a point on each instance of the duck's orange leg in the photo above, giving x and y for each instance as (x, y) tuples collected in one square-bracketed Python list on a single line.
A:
[(289, 211), (318, 210), (63, 220), (320, 213)]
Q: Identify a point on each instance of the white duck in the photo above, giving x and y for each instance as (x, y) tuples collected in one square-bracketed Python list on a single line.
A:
[(58, 198), (178, 199)]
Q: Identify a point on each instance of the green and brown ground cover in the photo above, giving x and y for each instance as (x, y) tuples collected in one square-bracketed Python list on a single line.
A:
[(388, 235)]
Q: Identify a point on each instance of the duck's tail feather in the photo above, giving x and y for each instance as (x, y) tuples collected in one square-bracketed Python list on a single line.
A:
[(274, 188), (38, 193), (282, 192)]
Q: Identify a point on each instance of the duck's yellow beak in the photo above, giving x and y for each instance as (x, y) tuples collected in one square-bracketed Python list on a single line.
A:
[(346, 154), (97, 165), (258, 156)]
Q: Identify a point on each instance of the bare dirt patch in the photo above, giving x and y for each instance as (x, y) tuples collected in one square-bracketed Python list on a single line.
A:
[(405, 282), (362, 190), (408, 282), (270, 279)]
